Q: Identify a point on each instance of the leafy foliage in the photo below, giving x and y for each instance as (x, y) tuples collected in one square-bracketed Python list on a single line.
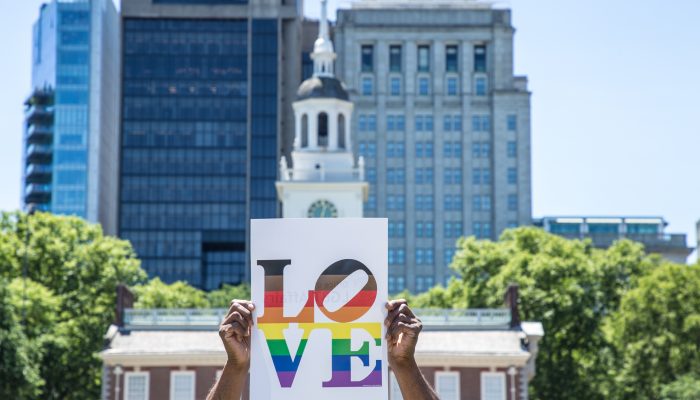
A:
[(568, 285), (686, 387), (70, 291), (156, 294), (657, 334), (222, 298)]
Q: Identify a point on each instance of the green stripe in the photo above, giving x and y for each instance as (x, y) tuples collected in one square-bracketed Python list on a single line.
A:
[(280, 348), (340, 347)]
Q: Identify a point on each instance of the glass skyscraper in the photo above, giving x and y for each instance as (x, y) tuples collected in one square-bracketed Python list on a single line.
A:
[(202, 131), (71, 116)]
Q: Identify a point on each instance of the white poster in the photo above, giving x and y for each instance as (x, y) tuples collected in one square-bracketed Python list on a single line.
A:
[(320, 289)]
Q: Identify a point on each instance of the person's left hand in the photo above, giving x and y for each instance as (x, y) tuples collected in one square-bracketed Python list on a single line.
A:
[(402, 330), (235, 332)]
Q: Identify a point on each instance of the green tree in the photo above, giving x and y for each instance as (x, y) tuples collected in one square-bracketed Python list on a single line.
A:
[(19, 359), (567, 285), (75, 269), (657, 334), (221, 298), (157, 294), (686, 387)]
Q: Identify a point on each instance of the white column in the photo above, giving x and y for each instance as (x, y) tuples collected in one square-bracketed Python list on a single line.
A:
[(333, 130), (313, 130), (297, 130), (348, 136)]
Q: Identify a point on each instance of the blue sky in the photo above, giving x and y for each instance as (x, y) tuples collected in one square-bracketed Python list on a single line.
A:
[(615, 106)]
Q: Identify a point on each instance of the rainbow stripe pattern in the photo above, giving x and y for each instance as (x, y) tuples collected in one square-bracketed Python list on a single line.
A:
[(273, 323)]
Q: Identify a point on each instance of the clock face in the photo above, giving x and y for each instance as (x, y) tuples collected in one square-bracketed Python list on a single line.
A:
[(323, 209)]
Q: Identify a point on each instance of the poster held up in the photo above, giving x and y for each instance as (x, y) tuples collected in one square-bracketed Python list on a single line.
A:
[(320, 287)]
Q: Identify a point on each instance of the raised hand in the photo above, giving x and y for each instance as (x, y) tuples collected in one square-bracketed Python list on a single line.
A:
[(402, 330), (235, 331)]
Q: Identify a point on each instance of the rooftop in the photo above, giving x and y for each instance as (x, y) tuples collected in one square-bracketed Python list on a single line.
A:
[(432, 4), (209, 319)]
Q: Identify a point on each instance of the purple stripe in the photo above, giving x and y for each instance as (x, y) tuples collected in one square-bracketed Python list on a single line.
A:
[(343, 379), (286, 378)]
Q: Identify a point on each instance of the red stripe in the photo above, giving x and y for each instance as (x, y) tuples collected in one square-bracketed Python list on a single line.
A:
[(364, 298), (276, 299)]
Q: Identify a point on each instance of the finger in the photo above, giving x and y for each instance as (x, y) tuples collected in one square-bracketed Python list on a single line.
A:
[(410, 328), (240, 309), (390, 305), (239, 331), (402, 309)]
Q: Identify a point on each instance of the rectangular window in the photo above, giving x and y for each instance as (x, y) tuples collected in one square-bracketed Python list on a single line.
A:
[(447, 385), (451, 64), (485, 150), (371, 174), (423, 58), (493, 386), (419, 123), (428, 119), (476, 150), (486, 230), (371, 203), (512, 176), (512, 149), (449, 255), (457, 123), (396, 203), (182, 385), (476, 176), (481, 86), (367, 58), (395, 86), (486, 202), (452, 86), (486, 176), (480, 58), (512, 202), (447, 123), (136, 385), (395, 58), (423, 86), (476, 203), (481, 123), (512, 123), (367, 86)]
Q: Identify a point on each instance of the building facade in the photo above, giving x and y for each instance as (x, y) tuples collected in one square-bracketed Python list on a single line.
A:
[(443, 124), (71, 118), (324, 180), (464, 354), (203, 117), (604, 231)]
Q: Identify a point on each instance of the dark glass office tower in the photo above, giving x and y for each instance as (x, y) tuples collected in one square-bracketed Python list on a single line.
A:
[(202, 129)]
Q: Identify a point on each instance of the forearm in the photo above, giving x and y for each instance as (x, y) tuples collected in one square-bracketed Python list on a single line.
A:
[(413, 384), (230, 385)]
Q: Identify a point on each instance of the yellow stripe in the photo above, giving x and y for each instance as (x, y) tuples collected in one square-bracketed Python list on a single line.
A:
[(338, 331)]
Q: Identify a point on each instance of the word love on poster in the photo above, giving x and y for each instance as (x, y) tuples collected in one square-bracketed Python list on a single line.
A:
[(320, 286)]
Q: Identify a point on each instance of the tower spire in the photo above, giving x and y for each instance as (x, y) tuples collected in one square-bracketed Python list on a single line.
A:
[(324, 53)]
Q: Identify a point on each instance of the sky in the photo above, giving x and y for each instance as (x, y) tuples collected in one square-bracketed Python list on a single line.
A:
[(615, 104)]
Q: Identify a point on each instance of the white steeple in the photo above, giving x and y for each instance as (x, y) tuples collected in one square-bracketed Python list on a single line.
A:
[(324, 53)]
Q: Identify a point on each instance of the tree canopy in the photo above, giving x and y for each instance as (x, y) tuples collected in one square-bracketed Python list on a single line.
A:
[(619, 324), (67, 303)]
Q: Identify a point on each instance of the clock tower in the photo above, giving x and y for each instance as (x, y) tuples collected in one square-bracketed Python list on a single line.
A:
[(324, 181)]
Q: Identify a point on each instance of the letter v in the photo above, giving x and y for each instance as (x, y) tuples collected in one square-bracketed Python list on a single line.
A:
[(286, 366)]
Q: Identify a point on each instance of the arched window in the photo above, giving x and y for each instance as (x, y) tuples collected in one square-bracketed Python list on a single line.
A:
[(323, 130), (304, 131), (341, 131)]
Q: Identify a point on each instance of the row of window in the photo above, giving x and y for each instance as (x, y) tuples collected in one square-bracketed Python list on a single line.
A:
[(424, 123), (426, 229), (397, 202), (424, 86), (448, 383), (396, 59), (425, 149)]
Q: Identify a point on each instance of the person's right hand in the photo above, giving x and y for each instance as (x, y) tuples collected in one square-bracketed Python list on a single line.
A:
[(235, 332)]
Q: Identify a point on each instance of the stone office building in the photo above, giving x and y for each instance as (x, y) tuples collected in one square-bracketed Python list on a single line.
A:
[(442, 122)]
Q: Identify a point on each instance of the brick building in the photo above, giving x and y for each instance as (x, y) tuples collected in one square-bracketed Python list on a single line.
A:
[(465, 354)]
